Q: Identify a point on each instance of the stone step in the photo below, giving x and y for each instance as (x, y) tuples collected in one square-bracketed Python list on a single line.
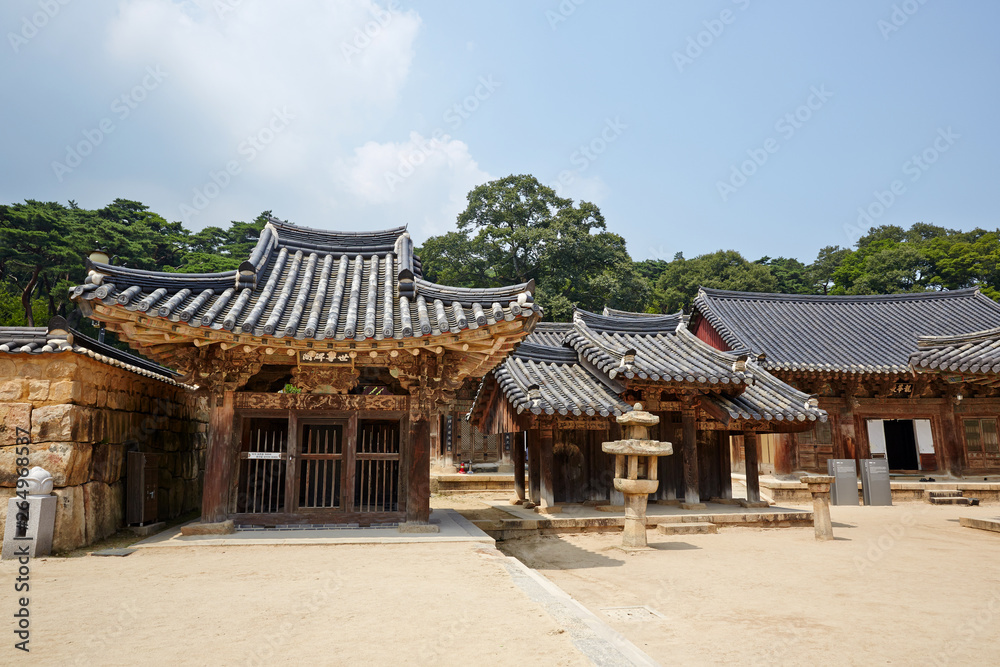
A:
[(981, 524), (944, 493), (950, 500), (687, 528)]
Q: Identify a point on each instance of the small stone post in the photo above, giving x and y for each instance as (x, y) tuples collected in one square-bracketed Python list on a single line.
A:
[(819, 487), (31, 522)]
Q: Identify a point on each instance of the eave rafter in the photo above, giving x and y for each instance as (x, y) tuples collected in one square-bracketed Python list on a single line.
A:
[(472, 352)]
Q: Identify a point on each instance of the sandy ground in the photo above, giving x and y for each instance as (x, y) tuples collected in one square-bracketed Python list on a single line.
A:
[(900, 585), (424, 604)]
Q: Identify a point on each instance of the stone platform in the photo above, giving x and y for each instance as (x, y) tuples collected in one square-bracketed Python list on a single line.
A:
[(574, 518), (451, 483), (450, 527), (903, 490), (982, 524)]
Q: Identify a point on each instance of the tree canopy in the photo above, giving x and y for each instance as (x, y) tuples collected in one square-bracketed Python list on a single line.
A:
[(513, 229)]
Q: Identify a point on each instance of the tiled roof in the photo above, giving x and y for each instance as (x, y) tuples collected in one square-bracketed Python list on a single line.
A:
[(662, 347), (549, 380), (313, 284), (58, 337), (579, 368), (974, 353), (859, 334)]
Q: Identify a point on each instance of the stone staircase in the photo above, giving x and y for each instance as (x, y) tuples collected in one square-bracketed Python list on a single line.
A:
[(950, 497)]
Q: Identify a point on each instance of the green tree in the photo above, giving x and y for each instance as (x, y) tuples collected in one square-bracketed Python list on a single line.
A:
[(38, 246), (821, 271), (515, 229), (678, 285), (790, 275)]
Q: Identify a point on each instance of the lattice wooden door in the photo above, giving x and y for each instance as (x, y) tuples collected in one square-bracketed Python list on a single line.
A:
[(474, 446)]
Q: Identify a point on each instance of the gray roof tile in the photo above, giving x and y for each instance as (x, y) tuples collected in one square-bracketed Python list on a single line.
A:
[(870, 333), (58, 337), (307, 283)]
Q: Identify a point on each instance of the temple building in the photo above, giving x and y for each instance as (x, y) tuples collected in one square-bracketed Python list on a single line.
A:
[(326, 358), (894, 372), (564, 386)]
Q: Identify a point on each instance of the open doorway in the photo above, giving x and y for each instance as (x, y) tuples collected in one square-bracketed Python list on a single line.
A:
[(904, 443), (901, 444)]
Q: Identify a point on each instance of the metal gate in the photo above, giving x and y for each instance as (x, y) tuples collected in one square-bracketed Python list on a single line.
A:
[(262, 467), (321, 453), (376, 476)]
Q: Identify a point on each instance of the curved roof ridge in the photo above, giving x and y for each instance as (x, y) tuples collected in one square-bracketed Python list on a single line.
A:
[(546, 353), (841, 298), (290, 226), (959, 339), (639, 325)]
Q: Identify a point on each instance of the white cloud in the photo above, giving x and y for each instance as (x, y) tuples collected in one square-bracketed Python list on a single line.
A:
[(336, 68), (421, 181)]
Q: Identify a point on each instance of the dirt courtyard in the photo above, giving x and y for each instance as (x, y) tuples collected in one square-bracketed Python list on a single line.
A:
[(900, 585), (420, 604)]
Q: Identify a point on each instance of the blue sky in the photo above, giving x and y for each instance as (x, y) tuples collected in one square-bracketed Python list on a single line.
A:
[(771, 128)]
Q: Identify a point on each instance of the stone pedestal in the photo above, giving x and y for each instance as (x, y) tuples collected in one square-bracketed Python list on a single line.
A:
[(819, 487), (635, 488), (36, 537), (636, 496)]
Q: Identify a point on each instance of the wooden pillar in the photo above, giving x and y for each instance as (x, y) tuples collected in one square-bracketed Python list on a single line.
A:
[(783, 455), (753, 474), (534, 466), (518, 457), (218, 460), (418, 482), (505, 449), (952, 447), (725, 466), (690, 440), (546, 464)]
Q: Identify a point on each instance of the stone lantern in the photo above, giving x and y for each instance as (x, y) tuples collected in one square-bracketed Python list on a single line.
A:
[(636, 489)]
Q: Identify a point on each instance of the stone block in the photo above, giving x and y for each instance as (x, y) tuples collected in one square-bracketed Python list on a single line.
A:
[(5, 495), (62, 423), (38, 391), (41, 512), (68, 462), (688, 528), (30, 368), (221, 528), (88, 394), (71, 519), (60, 369), (414, 527), (12, 390), (65, 391), (103, 504), (108, 462), (13, 416), (102, 397)]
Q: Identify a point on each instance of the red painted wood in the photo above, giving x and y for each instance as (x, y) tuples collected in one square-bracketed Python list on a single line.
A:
[(707, 333)]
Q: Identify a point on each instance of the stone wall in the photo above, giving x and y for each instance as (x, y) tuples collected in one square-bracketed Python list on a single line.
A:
[(84, 416)]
